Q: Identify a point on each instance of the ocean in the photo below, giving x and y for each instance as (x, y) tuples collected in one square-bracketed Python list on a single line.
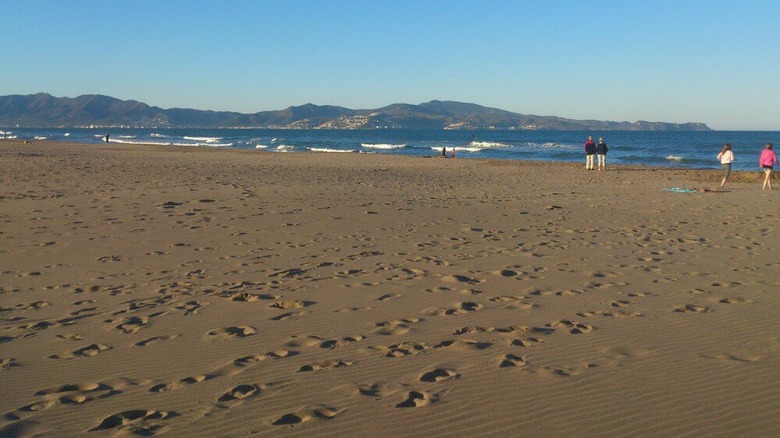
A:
[(687, 149)]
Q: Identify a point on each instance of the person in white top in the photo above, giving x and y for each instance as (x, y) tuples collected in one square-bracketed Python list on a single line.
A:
[(726, 157)]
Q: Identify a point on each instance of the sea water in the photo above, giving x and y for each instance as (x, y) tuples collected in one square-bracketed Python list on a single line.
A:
[(687, 149)]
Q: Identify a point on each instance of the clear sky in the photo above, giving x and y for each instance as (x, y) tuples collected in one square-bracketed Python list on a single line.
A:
[(710, 61)]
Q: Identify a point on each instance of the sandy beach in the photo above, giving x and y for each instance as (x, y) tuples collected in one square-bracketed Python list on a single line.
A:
[(209, 292)]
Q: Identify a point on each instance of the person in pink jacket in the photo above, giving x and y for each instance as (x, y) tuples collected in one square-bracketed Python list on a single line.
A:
[(767, 161)]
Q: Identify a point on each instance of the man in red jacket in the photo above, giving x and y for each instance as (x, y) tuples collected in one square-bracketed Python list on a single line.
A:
[(590, 152)]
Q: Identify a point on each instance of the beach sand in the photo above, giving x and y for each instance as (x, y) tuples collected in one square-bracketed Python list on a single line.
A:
[(208, 292)]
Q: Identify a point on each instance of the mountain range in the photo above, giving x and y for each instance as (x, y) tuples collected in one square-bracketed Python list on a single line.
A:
[(43, 110)]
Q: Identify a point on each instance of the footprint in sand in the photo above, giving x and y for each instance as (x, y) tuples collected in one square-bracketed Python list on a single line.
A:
[(68, 394), (139, 422), (438, 375), (396, 327), (333, 363), (132, 324), (81, 388), (288, 315), (480, 329), (460, 308), (353, 309), (190, 307), (418, 399), (506, 298), (296, 341), (247, 297), (9, 363), (319, 412), (292, 304), (461, 279), (561, 371), (512, 360), (163, 387), (609, 313), (463, 345), (379, 389), (230, 333), (514, 303), (155, 340), (88, 351), (37, 305), (402, 349), (240, 392), (388, 297), (574, 328), (333, 343), (526, 342), (507, 273), (691, 308), (735, 301)]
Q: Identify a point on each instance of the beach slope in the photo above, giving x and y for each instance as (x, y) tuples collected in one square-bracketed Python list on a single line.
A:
[(204, 292)]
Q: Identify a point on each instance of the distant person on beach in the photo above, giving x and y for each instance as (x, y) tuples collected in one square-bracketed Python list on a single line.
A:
[(444, 152), (590, 150), (452, 153), (107, 136), (726, 157), (601, 152), (767, 161)]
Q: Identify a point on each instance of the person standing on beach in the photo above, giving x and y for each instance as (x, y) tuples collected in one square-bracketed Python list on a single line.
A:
[(601, 152), (107, 133), (767, 160), (590, 150), (726, 157)]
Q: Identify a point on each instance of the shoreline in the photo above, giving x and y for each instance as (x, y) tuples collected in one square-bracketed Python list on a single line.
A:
[(221, 292), (696, 174)]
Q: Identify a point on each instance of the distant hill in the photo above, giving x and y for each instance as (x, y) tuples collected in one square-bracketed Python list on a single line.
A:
[(44, 110)]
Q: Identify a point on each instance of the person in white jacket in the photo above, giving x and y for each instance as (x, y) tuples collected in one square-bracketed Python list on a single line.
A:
[(726, 157)]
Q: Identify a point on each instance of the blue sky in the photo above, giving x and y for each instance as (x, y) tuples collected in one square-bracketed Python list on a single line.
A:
[(716, 62)]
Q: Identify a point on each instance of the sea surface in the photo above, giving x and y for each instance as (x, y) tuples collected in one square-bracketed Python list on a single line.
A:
[(688, 149)]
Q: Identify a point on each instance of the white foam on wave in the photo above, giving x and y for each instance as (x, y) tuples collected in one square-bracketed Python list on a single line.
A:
[(488, 144), (211, 145), (261, 146), (156, 135), (155, 143), (382, 145), (674, 158), (169, 143), (206, 139), (329, 150), (285, 148), (126, 136), (67, 134), (40, 137)]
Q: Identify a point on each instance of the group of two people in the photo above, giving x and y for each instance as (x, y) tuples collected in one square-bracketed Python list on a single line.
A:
[(599, 150), (766, 161)]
